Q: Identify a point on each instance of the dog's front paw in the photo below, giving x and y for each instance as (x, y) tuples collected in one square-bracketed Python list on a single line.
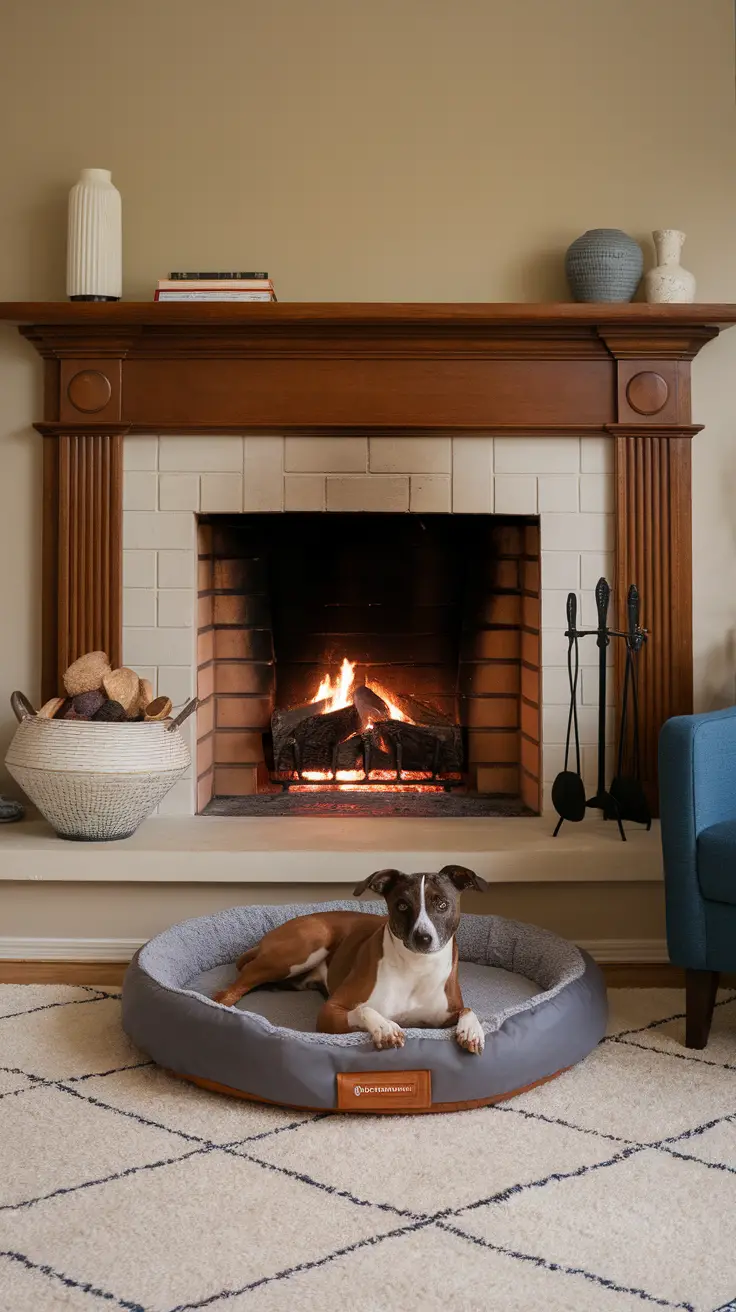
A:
[(388, 1035), (224, 997), (469, 1033)]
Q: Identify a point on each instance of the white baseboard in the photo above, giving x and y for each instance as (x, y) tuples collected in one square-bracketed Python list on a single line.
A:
[(637, 951)]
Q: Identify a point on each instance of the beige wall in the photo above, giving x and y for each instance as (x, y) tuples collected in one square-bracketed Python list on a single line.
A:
[(392, 150)]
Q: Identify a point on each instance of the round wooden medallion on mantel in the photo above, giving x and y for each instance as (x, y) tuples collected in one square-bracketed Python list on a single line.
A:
[(647, 392), (89, 391)]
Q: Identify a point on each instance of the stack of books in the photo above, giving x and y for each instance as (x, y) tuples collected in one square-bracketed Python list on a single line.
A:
[(215, 287)]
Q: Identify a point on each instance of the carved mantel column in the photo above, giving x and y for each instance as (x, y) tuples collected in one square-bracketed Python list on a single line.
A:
[(653, 438), (82, 545)]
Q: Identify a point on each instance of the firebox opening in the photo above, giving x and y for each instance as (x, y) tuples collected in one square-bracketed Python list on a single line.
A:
[(368, 664)]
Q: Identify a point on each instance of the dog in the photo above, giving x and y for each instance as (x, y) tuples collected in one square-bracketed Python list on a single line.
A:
[(378, 973)]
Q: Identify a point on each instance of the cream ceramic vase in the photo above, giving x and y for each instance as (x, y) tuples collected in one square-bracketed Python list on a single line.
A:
[(668, 282), (95, 239)]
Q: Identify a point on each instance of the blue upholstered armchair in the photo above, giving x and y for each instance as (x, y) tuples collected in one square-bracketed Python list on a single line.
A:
[(697, 784)]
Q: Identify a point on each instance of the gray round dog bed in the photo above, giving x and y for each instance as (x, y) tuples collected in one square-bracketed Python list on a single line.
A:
[(541, 1000)]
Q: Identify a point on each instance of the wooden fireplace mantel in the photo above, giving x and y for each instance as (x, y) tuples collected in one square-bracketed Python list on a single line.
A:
[(541, 369)]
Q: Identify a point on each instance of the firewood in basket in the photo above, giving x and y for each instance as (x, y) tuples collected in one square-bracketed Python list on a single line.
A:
[(123, 686), (50, 708), (145, 696), (87, 673), (87, 704), (160, 709), (110, 711)]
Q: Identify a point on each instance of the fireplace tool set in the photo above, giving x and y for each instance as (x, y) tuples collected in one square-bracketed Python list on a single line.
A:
[(625, 799)]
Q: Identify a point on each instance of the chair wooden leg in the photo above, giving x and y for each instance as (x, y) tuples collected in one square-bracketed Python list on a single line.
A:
[(700, 999)]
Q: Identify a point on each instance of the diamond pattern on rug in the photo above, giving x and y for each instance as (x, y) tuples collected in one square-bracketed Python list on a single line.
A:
[(67, 1041), (627, 1223), (24, 1288), (471, 1149), (669, 1036), (641, 1098), (39, 997), (177, 1235), (613, 1187), (11, 1081), (189, 1110), (92, 1146), (716, 1145), (406, 1272)]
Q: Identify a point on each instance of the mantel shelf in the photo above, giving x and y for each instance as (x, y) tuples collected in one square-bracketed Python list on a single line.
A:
[(494, 314)]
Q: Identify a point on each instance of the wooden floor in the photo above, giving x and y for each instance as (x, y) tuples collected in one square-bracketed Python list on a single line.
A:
[(619, 976)]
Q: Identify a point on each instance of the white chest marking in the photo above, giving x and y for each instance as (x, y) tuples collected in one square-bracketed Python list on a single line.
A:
[(410, 986)]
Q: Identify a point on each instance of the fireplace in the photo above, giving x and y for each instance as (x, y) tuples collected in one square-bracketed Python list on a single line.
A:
[(368, 664), (222, 400)]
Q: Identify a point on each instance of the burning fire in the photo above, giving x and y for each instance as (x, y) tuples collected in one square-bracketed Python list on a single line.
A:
[(339, 694), (336, 695)]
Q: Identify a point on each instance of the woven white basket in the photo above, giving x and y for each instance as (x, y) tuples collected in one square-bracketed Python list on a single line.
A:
[(95, 781)]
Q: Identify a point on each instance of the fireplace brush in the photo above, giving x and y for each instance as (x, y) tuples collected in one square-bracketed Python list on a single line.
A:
[(625, 799), (626, 788)]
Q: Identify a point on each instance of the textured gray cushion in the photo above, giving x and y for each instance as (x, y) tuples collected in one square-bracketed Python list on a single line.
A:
[(542, 1005)]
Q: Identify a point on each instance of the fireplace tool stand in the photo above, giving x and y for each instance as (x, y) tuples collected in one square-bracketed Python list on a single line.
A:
[(625, 799)]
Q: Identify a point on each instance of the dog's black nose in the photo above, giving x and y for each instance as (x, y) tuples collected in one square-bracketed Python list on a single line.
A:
[(422, 940)]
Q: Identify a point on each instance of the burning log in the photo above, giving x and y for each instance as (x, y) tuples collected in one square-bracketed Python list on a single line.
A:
[(283, 725), (306, 739), (370, 707), (418, 712), (365, 732), (437, 749)]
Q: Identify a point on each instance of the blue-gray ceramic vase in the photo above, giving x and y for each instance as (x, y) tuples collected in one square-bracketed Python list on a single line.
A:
[(604, 265)]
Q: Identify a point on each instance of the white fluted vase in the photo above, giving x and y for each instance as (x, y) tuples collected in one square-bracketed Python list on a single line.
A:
[(94, 265), (668, 283)]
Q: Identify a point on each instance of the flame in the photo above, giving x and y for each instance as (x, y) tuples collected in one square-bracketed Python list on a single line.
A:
[(393, 709), (339, 693)]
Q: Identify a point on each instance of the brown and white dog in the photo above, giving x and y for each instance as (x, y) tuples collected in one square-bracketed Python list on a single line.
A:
[(378, 972)]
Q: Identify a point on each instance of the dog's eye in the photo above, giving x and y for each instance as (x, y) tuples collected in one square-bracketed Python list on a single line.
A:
[(402, 906), (441, 906)]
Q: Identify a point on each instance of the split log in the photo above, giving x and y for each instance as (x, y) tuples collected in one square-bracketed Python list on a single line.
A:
[(307, 738), (317, 738), (283, 724), (370, 707), (423, 747), (418, 711), (349, 754)]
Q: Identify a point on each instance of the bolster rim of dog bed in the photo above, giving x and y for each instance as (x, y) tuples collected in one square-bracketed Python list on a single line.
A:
[(243, 1053)]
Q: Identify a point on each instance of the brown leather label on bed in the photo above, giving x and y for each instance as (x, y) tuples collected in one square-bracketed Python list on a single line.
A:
[(382, 1091)]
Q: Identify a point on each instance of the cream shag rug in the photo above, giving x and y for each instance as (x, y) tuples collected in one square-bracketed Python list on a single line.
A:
[(613, 1187)]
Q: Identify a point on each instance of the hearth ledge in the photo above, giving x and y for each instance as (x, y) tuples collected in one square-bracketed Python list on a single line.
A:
[(332, 851)]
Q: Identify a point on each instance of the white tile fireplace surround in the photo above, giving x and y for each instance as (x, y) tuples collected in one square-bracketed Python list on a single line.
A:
[(568, 482)]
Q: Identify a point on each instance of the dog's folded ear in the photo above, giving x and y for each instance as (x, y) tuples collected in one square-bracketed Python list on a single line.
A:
[(463, 878), (380, 882)]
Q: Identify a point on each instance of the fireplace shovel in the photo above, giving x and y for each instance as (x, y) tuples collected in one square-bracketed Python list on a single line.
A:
[(568, 790), (626, 789)]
